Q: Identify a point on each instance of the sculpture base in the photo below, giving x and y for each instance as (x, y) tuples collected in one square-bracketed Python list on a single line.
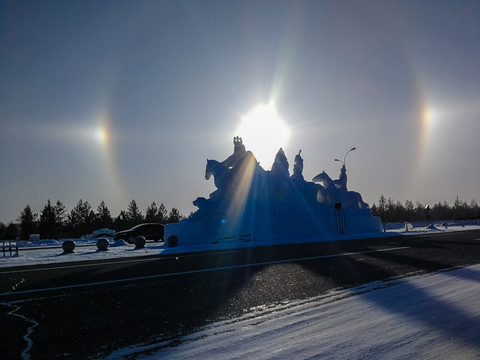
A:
[(263, 230)]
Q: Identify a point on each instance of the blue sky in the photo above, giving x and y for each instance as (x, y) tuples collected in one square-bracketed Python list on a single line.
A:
[(121, 100)]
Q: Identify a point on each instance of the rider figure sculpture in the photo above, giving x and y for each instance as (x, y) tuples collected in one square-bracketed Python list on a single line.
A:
[(239, 153), (341, 182)]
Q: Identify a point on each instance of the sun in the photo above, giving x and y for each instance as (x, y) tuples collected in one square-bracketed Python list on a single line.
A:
[(263, 132)]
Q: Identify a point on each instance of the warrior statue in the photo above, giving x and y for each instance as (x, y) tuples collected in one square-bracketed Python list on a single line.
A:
[(226, 173), (239, 153), (341, 182), (298, 167)]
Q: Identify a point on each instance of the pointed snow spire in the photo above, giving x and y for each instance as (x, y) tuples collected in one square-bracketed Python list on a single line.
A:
[(280, 165)]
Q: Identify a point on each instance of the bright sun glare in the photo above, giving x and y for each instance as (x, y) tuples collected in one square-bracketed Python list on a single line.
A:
[(263, 132), (101, 135)]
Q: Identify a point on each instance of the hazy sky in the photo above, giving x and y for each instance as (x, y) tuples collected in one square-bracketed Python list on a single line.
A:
[(121, 100)]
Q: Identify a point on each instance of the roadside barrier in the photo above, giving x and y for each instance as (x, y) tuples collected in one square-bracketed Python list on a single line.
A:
[(13, 248), (9, 248)]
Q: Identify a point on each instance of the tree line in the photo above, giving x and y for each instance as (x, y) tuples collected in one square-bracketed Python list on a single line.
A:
[(390, 210), (54, 222)]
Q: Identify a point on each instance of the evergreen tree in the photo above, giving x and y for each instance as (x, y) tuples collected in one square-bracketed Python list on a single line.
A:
[(28, 222), (174, 216), (441, 211), (121, 222), (410, 211), (81, 219), (48, 221), (390, 210), (420, 212), (151, 214), (103, 217), (3, 231), (60, 214), (374, 209), (460, 209), (156, 214), (474, 210), (162, 214), (382, 202), (134, 215), (11, 232), (60, 211)]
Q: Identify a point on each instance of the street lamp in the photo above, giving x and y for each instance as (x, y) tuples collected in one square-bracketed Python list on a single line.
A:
[(344, 162)]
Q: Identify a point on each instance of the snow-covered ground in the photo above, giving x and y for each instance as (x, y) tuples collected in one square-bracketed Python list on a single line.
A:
[(50, 251), (433, 316)]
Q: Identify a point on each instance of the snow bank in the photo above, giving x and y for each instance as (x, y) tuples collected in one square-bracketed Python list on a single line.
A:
[(50, 251)]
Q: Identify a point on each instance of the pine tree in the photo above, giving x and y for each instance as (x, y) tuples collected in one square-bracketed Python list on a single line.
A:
[(12, 232), (134, 215), (151, 214), (162, 214), (156, 214), (103, 216), (382, 202), (174, 216), (47, 224), (28, 222), (121, 222), (410, 211), (3, 231), (60, 214), (81, 218)]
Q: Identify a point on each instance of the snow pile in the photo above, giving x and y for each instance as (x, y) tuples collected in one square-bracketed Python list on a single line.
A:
[(429, 317)]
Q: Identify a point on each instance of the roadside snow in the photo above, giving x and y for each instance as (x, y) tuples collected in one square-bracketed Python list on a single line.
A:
[(50, 251), (426, 317)]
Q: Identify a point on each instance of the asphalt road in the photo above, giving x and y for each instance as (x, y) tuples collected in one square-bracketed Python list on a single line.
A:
[(86, 310)]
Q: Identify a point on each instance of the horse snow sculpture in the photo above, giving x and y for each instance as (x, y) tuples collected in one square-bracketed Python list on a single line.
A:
[(332, 192), (269, 206), (228, 176)]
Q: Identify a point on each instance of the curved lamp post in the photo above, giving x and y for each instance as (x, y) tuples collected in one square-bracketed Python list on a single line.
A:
[(344, 162)]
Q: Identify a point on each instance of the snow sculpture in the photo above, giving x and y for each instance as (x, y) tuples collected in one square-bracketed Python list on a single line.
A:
[(257, 206), (280, 165), (298, 167), (335, 191)]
